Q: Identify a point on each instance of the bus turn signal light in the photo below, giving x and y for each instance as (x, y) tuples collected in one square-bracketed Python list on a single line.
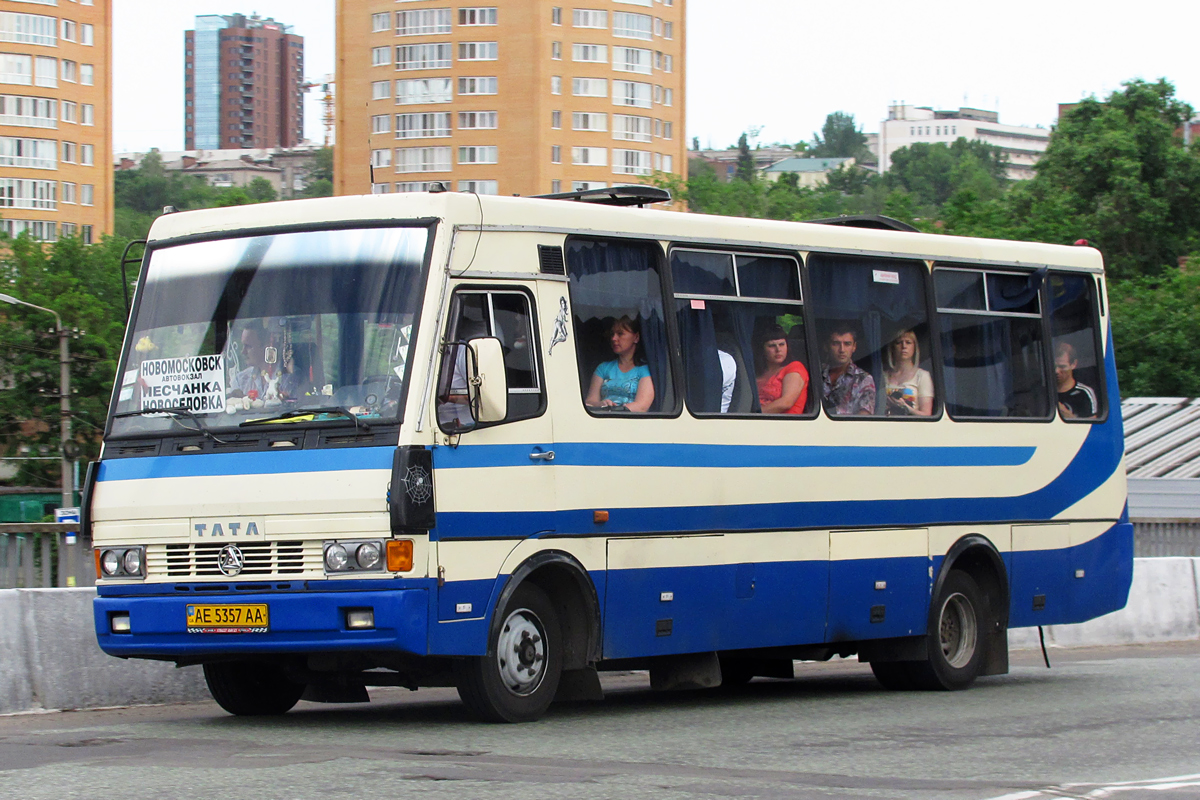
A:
[(399, 555)]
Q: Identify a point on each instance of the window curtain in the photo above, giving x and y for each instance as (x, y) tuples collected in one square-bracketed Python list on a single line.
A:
[(846, 289), (616, 278), (976, 354)]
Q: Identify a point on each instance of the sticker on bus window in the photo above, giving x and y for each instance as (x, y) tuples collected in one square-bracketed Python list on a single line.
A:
[(196, 383), (885, 276), (697, 305)]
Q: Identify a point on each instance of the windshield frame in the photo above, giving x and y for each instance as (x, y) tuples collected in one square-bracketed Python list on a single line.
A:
[(422, 275)]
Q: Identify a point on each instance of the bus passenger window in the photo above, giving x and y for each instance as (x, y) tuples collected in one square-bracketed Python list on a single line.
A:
[(1074, 327), (742, 327), (619, 326), (873, 328), (993, 360), (476, 314)]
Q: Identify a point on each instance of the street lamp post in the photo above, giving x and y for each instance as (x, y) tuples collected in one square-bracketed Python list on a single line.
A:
[(64, 395)]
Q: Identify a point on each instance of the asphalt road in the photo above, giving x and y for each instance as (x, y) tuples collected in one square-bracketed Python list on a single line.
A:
[(1103, 723)]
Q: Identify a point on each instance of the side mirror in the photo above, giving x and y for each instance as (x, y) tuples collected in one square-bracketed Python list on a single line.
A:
[(487, 387)]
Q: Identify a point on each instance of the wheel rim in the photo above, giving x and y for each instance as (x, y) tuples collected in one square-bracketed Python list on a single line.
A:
[(957, 630), (521, 652)]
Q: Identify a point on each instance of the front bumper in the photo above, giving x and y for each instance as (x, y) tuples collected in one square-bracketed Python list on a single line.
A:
[(300, 622)]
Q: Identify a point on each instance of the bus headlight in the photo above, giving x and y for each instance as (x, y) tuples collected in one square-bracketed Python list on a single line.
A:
[(368, 555), (356, 556), (336, 558), (132, 562), (121, 562)]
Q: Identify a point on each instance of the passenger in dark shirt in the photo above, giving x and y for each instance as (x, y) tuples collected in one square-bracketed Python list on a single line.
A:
[(1075, 400)]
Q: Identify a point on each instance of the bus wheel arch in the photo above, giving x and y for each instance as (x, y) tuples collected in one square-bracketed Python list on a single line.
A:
[(544, 632), (967, 629), (569, 586), (977, 557)]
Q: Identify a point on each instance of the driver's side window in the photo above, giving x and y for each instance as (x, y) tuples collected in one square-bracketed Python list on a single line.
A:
[(507, 316)]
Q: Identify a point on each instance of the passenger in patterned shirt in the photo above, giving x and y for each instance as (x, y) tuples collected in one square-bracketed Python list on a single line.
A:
[(847, 389), (1075, 400)]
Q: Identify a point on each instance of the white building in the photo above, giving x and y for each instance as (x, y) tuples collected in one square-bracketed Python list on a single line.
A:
[(907, 125)]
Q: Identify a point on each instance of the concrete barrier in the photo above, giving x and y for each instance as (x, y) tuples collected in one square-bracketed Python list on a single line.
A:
[(16, 690), (49, 658)]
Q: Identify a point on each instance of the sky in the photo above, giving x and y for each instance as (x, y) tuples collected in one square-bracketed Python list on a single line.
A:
[(778, 65), (148, 63)]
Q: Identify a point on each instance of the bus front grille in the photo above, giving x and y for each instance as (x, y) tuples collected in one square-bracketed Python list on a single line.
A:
[(200, 560)]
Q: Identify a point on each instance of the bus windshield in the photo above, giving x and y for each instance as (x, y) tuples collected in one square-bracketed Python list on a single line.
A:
[(286, 328)]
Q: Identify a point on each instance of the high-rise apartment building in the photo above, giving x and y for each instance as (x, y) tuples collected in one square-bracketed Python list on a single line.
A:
[(243, 84), (56, 172), (515, 97)]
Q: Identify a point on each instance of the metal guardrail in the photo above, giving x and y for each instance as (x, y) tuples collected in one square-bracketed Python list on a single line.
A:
[(1154, 538), (40, 555)]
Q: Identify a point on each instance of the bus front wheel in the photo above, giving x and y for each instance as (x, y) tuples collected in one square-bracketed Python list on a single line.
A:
[(248, 688), (517, 679)]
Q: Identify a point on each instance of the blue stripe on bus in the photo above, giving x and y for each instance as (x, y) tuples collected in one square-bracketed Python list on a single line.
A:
[(728, 456), (258, 463), (593, 454), (1097, 459)]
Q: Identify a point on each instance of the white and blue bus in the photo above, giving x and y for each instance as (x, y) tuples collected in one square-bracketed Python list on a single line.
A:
[(502, 443)]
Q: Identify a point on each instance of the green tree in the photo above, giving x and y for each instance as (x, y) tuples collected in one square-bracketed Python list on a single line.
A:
[(149, 187), (319, 176), (747, 170), (141, 193), (1156, 334), (260, 190), (83, 284), (1118, 173), (233, 196), (852, 179), (933, 172), (839, 138)]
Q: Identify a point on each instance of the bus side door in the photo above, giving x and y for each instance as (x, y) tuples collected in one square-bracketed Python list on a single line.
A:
[(494, 482)]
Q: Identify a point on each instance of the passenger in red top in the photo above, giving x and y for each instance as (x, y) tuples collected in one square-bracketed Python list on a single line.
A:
[(782, 384)]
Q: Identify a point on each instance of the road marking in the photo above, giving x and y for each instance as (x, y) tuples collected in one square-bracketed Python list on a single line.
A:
[(1098, 791)]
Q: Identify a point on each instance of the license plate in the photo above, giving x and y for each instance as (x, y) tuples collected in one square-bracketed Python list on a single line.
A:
[(227, 618)]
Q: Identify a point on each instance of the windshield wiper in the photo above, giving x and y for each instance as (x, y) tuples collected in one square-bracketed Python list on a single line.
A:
[(175, 413), (304, 412)]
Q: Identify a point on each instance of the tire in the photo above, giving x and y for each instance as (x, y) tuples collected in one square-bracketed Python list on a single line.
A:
[(736, 673), (517, 679), (893, 675), (251, 689), (956, 637)]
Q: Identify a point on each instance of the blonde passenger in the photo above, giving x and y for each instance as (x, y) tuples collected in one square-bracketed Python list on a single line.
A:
[(909, 388)]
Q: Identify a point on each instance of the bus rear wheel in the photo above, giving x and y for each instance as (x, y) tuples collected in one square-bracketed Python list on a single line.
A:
[(956, 636), (955, 642), (517, 679), (250, 689)]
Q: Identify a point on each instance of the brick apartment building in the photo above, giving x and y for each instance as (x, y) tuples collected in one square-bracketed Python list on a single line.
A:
[(56, 172), (518, 96), (243, 84)]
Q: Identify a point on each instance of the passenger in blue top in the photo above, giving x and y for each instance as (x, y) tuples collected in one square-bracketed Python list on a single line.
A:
[(624, 383)]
